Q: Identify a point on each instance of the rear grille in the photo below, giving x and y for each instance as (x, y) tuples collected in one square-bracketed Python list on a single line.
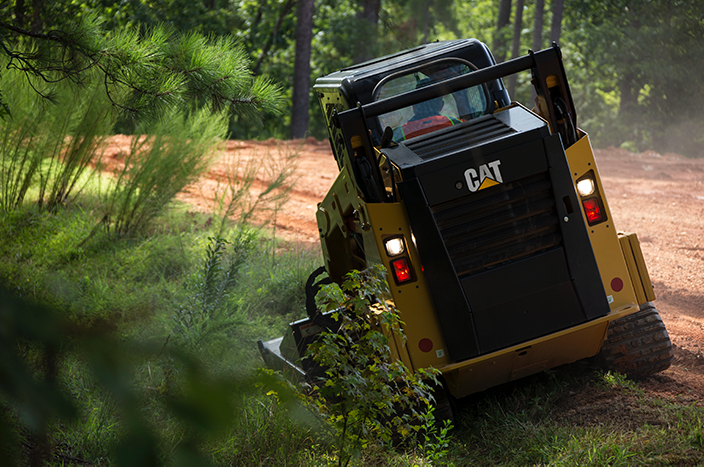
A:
[(465, 136), (500, 224)]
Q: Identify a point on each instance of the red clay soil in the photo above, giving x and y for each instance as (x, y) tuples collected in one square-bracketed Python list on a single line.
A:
[(661, 197)]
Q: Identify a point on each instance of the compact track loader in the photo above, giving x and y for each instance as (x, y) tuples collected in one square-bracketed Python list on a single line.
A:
[(503, 257)]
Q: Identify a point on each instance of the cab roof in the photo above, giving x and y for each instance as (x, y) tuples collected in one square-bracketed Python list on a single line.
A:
[(357, 82)]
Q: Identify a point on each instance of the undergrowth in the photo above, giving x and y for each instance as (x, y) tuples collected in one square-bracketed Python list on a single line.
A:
[(180, 332), (368, 398)]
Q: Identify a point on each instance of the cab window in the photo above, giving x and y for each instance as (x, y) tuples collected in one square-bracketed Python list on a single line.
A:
[(433, 114)]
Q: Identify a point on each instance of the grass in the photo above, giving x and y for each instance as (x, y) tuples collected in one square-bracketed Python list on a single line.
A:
[(131, 288), (575, 416)]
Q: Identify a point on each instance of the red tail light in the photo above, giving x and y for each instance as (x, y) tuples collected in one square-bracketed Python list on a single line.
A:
[(401, 270), (588, 190), (593, 210)]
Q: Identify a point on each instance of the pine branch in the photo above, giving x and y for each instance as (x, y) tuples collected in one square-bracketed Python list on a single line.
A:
[(28, 33), (146, 74)]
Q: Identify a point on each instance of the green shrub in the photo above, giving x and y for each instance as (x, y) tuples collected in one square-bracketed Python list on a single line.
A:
[(51, 139), (366, 396), (172, 154), (208, 311)]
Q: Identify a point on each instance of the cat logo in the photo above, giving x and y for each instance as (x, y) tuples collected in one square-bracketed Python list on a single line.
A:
[(489, 175)]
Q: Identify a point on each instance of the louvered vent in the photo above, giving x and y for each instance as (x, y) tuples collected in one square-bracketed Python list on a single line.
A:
[(500, 224), (464, 136)]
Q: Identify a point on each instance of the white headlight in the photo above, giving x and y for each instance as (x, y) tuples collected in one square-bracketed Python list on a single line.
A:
[(394, 246), (585, 187)]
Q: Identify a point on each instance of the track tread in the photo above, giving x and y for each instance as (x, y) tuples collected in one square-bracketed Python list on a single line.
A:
[(637, 345), (443, 406)]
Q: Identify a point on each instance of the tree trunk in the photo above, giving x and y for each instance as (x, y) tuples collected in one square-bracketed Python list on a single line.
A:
[(369, 19), (629, 95), (537, 34), (516, 48), (500, 38), (426, 26), (301, 69), (282, 14), (538, 25), (629, 86), (19, 13), (556, 28), (37, 23)]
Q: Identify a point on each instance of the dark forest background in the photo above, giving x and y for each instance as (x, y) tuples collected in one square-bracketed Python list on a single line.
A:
[(635, 67)]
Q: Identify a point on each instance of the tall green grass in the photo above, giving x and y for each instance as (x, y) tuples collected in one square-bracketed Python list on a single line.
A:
[(21, 141), (133, 291), (55, 137), (50, 139), (173, 153)]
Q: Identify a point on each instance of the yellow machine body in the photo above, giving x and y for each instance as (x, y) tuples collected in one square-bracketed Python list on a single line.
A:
[(619, 258), (503, 256)]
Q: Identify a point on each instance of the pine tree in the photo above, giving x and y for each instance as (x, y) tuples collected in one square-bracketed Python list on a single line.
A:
[(144, 72)]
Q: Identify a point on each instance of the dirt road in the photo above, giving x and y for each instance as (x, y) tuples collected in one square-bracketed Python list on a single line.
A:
[(661, 197)]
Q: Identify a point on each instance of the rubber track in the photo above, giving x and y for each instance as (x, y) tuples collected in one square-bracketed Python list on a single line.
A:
[(443, 406), (637, 345)]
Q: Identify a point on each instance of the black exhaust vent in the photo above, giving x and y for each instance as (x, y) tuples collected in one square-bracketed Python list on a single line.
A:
[(500, 224), (460, 137)]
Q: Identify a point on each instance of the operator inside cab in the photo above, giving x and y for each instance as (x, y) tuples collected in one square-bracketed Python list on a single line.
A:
[(426, 117), (433, 114)]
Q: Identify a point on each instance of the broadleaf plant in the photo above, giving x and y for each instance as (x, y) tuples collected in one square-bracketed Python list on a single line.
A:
[(367, 396)]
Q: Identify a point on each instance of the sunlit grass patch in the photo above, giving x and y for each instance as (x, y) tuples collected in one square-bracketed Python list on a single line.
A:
[(576, 417)]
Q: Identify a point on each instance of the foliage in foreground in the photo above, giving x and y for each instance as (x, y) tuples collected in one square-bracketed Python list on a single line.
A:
[(38, 409), (368, 397)]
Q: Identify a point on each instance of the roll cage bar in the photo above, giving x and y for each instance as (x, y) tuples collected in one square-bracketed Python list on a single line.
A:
[(555, 105)]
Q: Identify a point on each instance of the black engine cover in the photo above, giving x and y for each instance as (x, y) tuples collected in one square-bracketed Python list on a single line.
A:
[(487, 202)]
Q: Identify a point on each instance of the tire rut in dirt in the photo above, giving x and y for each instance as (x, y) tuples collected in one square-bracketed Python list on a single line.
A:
[(637, 345)]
